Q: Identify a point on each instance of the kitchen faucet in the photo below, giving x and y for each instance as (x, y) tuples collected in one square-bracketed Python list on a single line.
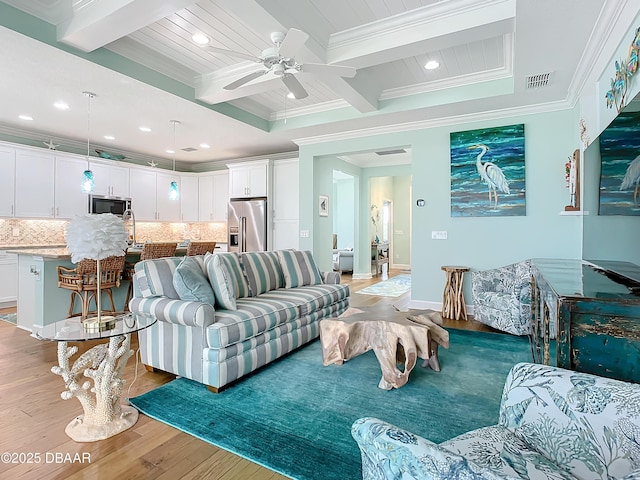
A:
[(126, 215)]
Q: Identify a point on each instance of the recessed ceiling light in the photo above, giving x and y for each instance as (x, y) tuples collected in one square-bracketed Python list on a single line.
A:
[(145, 129), (200, 39), (61, 105), (432, 65), (291, 96), (109, 137), (170, 151), (205, 145), (25, 117)]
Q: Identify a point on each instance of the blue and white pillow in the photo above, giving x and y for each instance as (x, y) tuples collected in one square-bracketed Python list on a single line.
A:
[(298, 268), (191, 282), (221, 281)]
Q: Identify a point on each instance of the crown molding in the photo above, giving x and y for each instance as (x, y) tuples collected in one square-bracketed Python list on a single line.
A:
[(604, 29), (420, 17), (437, 122)]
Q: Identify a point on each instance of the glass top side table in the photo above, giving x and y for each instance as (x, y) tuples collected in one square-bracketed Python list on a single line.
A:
[(101, 366)]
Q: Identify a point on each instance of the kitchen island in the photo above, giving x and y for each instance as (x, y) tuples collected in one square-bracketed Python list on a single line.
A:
[(40, 301)]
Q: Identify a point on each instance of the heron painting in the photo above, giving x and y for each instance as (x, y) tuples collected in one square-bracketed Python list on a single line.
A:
[(488, 172), (620, 172)]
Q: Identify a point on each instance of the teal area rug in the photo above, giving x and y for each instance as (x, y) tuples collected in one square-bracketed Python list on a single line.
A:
[(392, 287), (294, 416), (9, 317)]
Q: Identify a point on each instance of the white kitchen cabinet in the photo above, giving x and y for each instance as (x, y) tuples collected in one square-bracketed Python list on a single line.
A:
[(168, 210), (34, 189), (70, 200), (189, 198), (143, 193), (7, 181), (8, 279), (213, 196), (110, 180), (285, 202), (205, 198), (248, 179)]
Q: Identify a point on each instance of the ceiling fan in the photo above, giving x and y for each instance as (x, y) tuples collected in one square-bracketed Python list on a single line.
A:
[(280, 61)]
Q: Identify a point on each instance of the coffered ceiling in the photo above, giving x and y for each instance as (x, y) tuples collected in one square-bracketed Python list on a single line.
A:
[(139, 58)]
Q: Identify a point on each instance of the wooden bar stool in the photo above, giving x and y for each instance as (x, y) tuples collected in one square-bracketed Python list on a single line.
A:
[(149, 251), (200, 248), (83, 282), (453, 305)]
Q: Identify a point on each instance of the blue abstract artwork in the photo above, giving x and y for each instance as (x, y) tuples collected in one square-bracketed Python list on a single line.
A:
[(620, 173), (488, 172)]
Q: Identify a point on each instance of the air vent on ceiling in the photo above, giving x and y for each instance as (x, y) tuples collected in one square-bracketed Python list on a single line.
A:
[(391, 152), (538, 80), (189, 149)]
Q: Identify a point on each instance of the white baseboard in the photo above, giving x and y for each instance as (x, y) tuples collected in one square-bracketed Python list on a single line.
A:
[(425, 305), (401, 266), (8, 304), (362, 276)]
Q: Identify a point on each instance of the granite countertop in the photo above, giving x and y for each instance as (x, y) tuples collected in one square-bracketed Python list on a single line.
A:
[(61, 252)]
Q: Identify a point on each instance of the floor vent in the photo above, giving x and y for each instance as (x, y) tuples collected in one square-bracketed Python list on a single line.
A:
[(538, 80), (189, 149), (391, 152)]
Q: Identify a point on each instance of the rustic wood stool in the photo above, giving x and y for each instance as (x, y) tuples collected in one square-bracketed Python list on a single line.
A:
[(453, 305)]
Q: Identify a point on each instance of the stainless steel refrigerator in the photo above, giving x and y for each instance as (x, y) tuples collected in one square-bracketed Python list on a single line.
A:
[(247, 225)]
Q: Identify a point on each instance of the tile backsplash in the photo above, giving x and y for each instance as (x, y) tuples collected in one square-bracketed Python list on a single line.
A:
[(51, 232)]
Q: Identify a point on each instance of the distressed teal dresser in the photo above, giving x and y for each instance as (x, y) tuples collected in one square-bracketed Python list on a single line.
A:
[(592, 309)]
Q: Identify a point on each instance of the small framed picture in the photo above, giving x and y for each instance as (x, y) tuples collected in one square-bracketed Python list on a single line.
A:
[(323, 206)]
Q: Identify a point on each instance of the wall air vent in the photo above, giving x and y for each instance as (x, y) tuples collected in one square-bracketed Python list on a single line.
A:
[(391, 152), (538, 80), (189, 149)]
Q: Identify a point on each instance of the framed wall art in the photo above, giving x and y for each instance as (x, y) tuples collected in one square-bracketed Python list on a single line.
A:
[(488, 172), (323, 206)]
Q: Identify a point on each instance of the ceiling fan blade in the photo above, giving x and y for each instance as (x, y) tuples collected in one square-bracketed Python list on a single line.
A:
[(246, 79), (323, 69), (294, 86), (231, 53), (293, 41)]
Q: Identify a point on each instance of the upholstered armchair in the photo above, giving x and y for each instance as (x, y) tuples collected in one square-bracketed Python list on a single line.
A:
[(502, 297), (343, 260), (553, 424)]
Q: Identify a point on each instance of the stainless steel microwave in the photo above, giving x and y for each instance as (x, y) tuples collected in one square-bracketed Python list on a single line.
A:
[(104, 204)]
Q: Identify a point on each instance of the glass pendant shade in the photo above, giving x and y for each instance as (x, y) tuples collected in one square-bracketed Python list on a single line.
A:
[(174, 193), (87, 183)]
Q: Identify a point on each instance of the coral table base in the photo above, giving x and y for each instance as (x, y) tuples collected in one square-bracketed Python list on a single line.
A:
[(99, 394)]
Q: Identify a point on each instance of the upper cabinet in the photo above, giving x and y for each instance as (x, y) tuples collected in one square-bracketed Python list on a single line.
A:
[(110, 180), (150, 195), (7, 179), (213, 190), (188, 198), (248, 179), (34, 185), (70, 200)]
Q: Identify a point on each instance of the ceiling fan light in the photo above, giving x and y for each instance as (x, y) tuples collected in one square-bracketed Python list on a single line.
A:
[(431, 65), (278, 70)]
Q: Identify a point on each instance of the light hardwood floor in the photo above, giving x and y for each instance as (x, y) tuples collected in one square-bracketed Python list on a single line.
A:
[(34, 417)]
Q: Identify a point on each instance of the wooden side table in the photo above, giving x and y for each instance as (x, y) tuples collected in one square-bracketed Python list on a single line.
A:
[(453, 305)]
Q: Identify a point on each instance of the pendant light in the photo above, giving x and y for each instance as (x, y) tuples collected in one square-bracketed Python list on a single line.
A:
[(174, 192), (88, 183)]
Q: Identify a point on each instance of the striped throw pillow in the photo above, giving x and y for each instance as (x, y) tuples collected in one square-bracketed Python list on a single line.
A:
[(299, 268), (221, 281), (232, 261), (263, 271)]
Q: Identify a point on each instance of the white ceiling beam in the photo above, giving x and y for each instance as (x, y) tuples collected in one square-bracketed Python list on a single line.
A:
[(97, 24), (429, 28)]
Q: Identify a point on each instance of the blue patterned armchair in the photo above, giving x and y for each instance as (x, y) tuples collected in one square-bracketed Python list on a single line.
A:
[(502, 297), (554, 424)]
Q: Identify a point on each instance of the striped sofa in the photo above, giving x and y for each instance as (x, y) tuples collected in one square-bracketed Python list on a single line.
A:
[(216, 346)]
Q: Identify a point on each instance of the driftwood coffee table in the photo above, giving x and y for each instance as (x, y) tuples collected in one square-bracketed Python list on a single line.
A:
[(395, 337)]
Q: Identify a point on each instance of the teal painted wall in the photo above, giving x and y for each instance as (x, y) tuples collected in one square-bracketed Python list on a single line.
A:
[(476, 242), (401, 236), (343, 212)]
